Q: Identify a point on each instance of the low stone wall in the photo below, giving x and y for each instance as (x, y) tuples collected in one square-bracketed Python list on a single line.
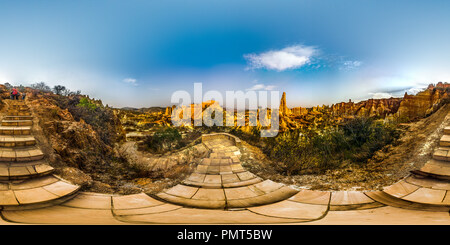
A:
[(236, 140)]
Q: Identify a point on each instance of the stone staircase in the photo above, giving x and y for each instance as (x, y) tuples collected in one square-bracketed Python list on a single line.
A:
[(220, 181), (26, 180), (427, 188)]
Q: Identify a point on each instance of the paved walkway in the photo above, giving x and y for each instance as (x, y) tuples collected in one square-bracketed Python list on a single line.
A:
[(220, 191)]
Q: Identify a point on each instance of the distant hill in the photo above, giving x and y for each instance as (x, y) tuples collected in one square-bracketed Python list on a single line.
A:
[(144, 110)]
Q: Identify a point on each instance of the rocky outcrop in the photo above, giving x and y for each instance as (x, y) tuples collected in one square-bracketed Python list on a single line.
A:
[(367, 108), (284, 110), (422, 104)]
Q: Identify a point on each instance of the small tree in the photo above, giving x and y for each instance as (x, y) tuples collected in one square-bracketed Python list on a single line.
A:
[(41, 86), (59, 89)]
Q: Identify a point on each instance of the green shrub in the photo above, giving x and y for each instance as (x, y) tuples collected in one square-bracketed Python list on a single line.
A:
[(85, 103), (163, 140), (300, 151)]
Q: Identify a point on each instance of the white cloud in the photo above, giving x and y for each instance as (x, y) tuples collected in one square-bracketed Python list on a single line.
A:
[(261, 87), (288, 58), (130, 81), (381, 95), (415, 90), (350, 65)]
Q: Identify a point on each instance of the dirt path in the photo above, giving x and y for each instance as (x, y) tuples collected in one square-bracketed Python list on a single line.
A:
[(387, 166)]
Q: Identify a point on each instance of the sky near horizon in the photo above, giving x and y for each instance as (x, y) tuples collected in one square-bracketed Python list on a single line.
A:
[(137, 53)]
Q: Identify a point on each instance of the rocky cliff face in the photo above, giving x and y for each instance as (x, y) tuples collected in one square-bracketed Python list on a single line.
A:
[(410, 107), (422, 104), (80, 151), (367, 108)]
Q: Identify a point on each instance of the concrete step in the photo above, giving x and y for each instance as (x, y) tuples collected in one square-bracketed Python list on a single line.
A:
[(17, 118), (447, 130), (29, 153), (17, 141), (35, 193), (441, 154), (15, 130), (18, 113), (25, 170), (17, 122), (436, 169), (445, 140)]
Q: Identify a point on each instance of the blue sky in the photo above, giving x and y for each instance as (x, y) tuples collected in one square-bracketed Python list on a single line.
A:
[(137, 52)]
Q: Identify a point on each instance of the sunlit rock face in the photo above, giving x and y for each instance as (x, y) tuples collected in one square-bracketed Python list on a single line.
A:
[(367, 108), (423, 103)]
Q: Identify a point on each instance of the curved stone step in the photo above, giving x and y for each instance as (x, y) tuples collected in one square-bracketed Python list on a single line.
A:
[(262, 193), (34, 193), (30, 153), (26, 170), (352, 200), (424, 191), (15, 130), (385, 198), (435, 169), (17, 122), (222, 180), (16, 141)]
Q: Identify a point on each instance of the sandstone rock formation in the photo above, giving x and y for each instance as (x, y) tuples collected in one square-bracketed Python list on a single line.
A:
[(423, 103)]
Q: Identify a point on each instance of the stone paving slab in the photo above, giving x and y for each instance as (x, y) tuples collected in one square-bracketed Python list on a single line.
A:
[(7, 197), (437, 168), (33, 183), (182, 191), (239, 193), (166, 207), (400, 189), (271, 197), (62, 215), (204, 216), (35, 195), (426, 195), (197, 203), (428, 182), (242, 183), (90, 201), (134, 201), (312, 197), (384, 198), (349, 200), (61, 188), (383, 216), (292, 210)]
